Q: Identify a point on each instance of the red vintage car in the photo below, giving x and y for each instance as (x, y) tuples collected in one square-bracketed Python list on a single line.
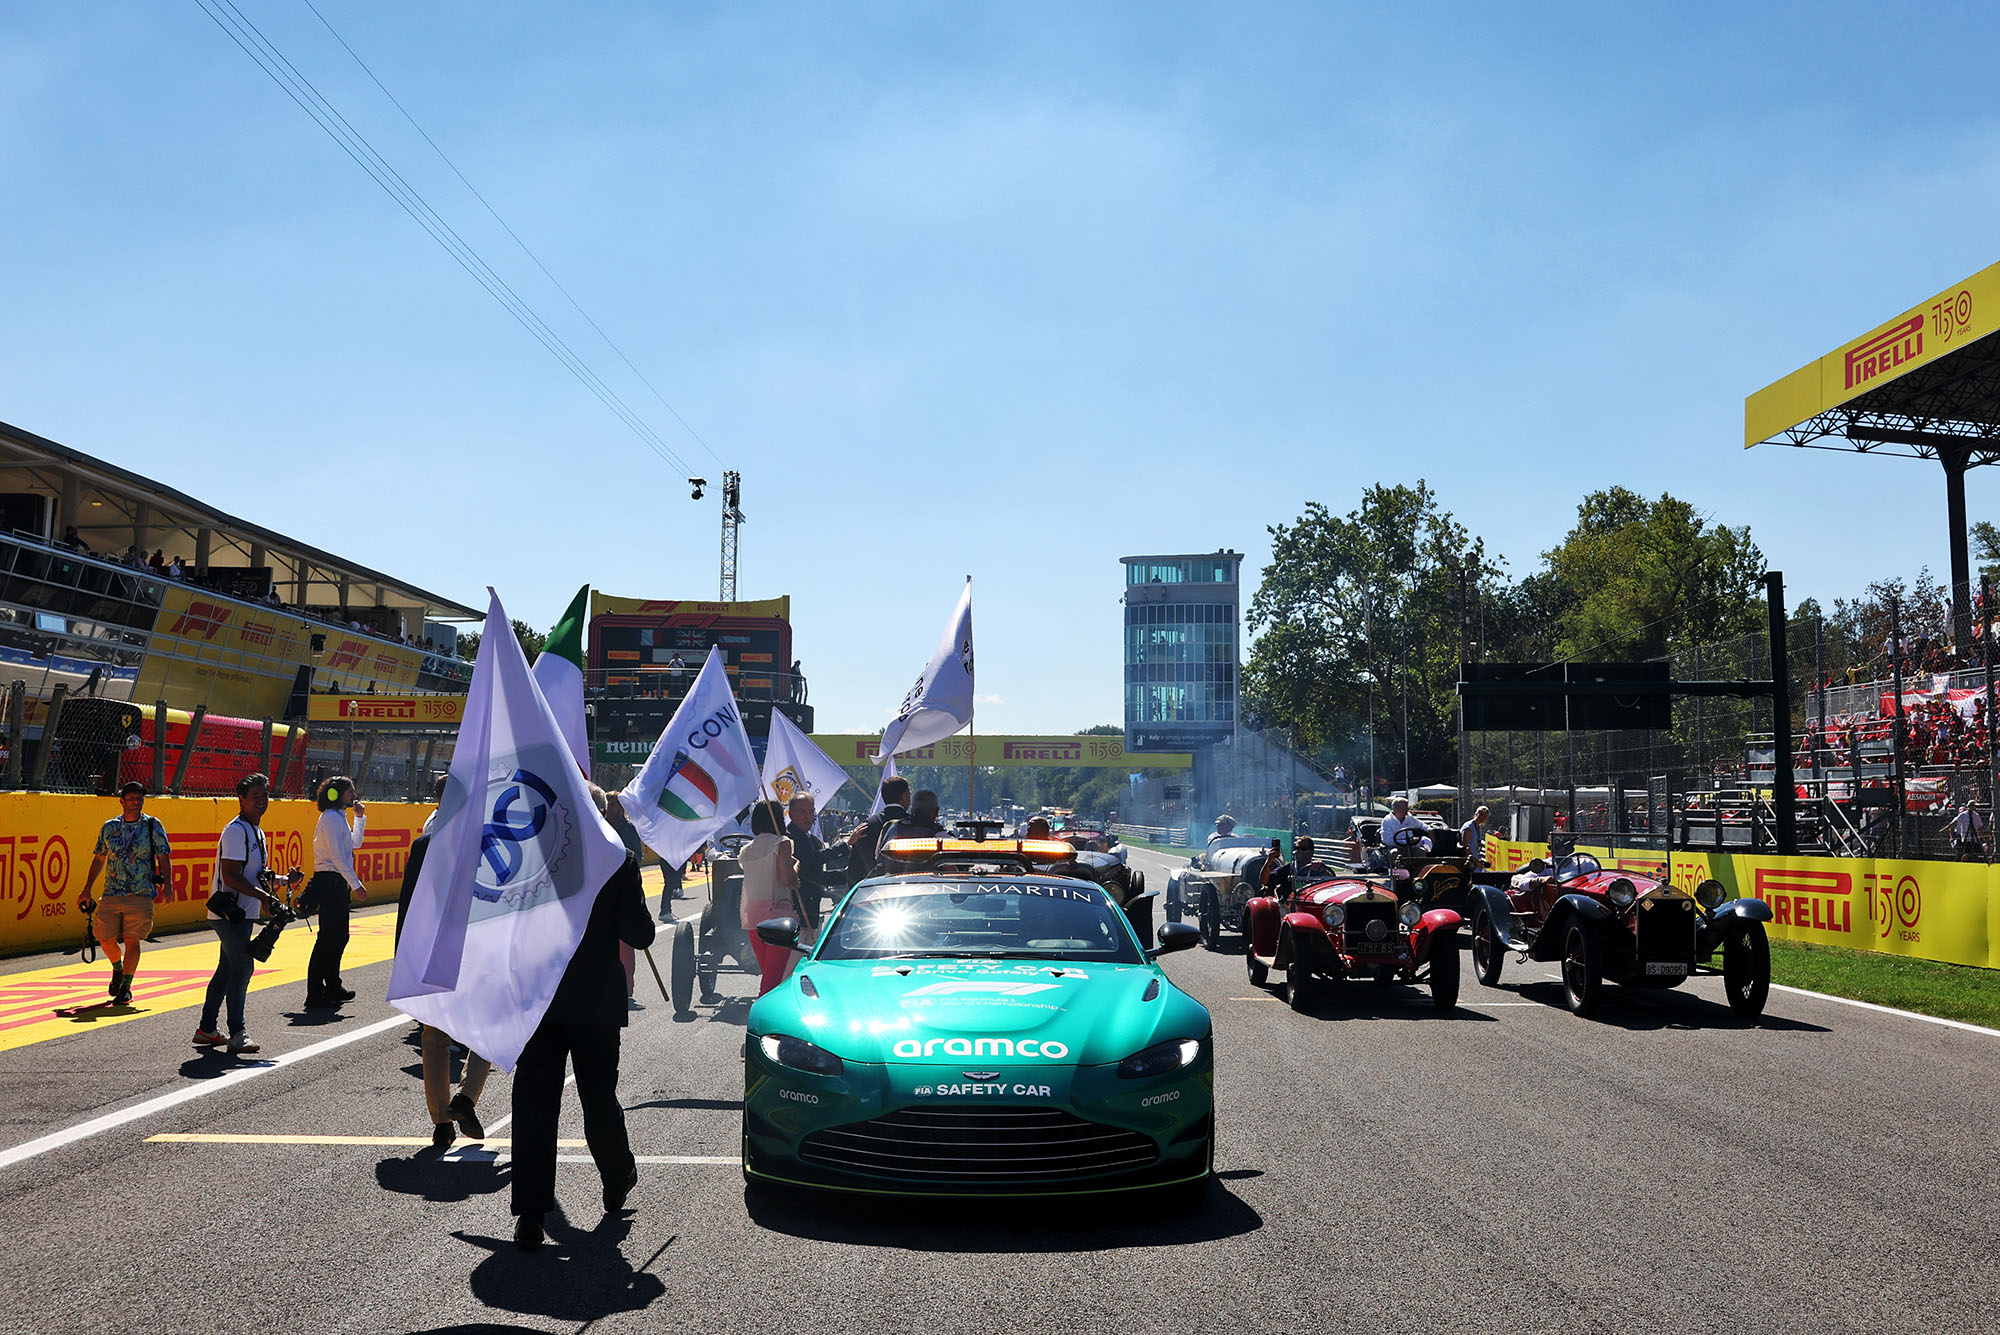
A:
[(1622, 927), (1339, 927)]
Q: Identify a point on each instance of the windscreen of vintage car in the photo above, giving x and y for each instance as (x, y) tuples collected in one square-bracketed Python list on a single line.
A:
[(1575, 865), (979, 919)]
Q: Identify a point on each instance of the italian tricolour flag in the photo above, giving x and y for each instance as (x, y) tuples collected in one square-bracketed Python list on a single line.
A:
[(689, 793), (559, 673)]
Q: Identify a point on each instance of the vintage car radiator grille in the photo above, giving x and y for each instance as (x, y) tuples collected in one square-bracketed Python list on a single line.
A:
[(979, 1144), (1666, 931), (1360, 914)]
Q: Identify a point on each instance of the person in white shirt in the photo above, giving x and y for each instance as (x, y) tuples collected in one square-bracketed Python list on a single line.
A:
[(239, 867), (1966, 828), (334, 886), (1399, 820)]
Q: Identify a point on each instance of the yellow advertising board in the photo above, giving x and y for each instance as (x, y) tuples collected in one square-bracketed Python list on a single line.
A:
[(1927, 910), (46, 843), (239, 660), (603, 603), (1925, 332), (413, 711), (850, 748)]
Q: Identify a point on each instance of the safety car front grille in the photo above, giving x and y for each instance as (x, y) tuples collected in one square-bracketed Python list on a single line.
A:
[(979, 1145)]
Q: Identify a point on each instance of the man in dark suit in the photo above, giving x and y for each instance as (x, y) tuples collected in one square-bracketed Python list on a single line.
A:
[(580, 1027), (815, 879), (867, 837)]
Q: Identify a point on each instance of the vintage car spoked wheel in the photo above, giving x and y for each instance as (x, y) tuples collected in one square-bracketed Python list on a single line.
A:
[(1211, 919), (1579, 971), (1746, 971), (681, 968), (1444, 970), (1258, 973), (1298, 982), (1487, 953)]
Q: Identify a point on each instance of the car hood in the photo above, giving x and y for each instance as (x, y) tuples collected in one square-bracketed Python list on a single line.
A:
[(1344, 892), (915, 1011)]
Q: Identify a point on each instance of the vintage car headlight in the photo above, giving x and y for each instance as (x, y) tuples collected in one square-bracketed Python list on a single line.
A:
[(1336, 914), (1622, 892), (1411, 913), (800, 1055), (1160, 1059)]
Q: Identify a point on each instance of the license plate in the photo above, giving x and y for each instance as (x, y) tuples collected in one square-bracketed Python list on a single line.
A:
[(1670, 970), (1361, 945)]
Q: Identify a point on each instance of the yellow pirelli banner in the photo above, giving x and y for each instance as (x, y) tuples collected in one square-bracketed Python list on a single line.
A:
[(602, 604), (1925, 332), (47, 839), (1941, 911)]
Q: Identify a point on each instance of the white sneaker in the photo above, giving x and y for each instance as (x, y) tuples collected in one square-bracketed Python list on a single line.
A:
[(242, 1043)]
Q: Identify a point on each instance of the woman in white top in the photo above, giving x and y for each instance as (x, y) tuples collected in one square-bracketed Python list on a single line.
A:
[(770, 880), (334, 884)]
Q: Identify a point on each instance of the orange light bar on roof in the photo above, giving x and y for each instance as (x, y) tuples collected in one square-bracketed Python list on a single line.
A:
[(1042, 850)]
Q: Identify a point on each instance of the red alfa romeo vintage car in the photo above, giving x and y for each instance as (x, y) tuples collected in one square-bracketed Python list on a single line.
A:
[(1617, 925), (1338, 927)]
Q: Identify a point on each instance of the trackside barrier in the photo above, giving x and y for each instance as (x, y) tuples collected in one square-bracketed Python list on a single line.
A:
[(46, 841), (1944, 911), (1152, 834)]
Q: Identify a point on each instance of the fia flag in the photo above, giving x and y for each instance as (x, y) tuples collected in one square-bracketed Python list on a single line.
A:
[(794, 767), (888, 773), (941, 701), (701, 773), (517, 856), (559, 672)]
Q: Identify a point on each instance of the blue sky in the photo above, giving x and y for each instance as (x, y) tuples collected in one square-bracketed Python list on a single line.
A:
[(1006, 290)]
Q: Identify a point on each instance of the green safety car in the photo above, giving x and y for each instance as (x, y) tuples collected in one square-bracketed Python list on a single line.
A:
[(979, 1023)]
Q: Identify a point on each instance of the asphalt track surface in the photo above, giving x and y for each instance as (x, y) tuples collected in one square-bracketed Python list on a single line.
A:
[(1381, 1166)]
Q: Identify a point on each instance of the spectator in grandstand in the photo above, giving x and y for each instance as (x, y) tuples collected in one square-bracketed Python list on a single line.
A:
[(132, 849), (240, 860), (72, 539), (175, 570), (334, 888), (158, 562)]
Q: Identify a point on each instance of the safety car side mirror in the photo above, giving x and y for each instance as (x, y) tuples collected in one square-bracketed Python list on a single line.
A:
[(1175, 936), (780, 932)]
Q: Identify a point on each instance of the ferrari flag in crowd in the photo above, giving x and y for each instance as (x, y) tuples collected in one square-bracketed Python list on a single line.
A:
[(559, 672), (516, 857), (701, 773), (941, 701), (795, 767)]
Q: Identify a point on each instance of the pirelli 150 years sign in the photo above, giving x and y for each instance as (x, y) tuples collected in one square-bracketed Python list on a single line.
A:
[(849, 748)]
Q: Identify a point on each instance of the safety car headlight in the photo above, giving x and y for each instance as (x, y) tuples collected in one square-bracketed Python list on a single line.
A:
[(800, 1055), (1411, 912), (1160, 1059), (1622, 892), (1336, 914)]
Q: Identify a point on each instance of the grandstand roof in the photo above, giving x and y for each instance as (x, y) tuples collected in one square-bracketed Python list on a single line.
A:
[(114, 507)]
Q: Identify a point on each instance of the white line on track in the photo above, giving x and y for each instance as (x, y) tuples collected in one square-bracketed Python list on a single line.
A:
[(1889, 1010), (55, 1140)]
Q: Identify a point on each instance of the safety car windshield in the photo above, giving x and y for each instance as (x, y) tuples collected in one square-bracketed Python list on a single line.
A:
[(974, 919)]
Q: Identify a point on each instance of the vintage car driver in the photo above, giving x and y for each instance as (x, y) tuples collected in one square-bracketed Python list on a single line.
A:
[(1282, 879), (1398, 820), (1225, 828)]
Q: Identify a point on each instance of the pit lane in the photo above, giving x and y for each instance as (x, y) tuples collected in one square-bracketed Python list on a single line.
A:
[(1382, 1166)]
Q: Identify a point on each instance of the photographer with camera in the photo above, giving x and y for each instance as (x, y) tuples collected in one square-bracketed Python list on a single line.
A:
[(240, 898), (334, 888), (132, 853)]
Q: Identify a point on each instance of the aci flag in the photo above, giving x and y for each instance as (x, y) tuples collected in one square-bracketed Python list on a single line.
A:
[(559, 672), (941, 701), (701, 773), (794, 767), (516, 857)]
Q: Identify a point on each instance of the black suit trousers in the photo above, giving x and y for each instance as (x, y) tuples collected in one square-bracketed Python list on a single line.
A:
[(538, 1086)]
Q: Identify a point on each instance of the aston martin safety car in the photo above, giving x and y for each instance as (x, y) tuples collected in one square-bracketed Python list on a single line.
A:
[(978, 1021)]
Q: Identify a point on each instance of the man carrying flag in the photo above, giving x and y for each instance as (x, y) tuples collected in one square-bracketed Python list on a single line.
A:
[(521, 870)]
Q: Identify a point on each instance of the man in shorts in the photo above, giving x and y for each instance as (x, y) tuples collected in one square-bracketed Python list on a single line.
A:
[(133, 856)]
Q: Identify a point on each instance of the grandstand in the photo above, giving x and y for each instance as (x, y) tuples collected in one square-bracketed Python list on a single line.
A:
[(115, 587)]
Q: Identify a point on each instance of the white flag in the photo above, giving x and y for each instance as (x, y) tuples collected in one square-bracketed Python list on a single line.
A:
[(794, 767), (941, 701), (701, 773), (517, 856), (559, 672), (888, 773)]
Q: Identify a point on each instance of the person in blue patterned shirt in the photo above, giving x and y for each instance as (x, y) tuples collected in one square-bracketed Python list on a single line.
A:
[(133, 855)]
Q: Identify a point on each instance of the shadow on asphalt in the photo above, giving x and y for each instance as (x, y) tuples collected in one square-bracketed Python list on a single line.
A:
[(1058, 1224), (425, 1174), (705, 1105), (478, 1328), (1367, 999), (1649, 1011), (577, 1275), (314, 1019)]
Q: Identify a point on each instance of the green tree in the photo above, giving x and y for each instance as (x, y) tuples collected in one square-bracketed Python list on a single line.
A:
[(530, 639)]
